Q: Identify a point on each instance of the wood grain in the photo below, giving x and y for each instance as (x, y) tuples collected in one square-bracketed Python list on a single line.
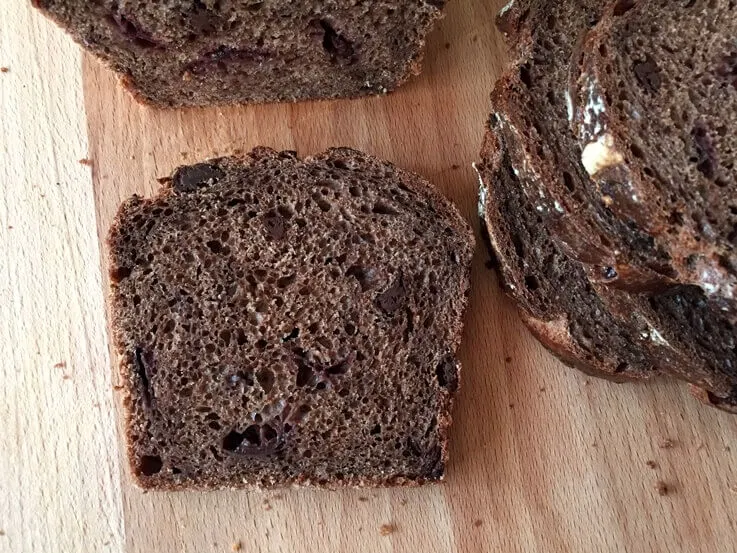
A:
[(543, 457)]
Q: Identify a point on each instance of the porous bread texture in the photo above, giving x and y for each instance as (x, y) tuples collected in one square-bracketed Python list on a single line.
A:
[(203, 52), (655, 106), (555, 220), (284, 321)]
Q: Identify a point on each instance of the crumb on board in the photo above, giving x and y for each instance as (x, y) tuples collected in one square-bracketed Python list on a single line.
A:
[(511, 405), (2, 532), (60, 365), (85, 161), (507, 359), (237, 151), (455, 167), (662, 488), (386, 529), (447, 45), (186, 76), (118, 387), (184, 154), (542, 388), (733, 488), (4, 69), (666, 443), (237, 546), (363, 498), (651, 464), (403, 501), (267, 505), (478, 522)]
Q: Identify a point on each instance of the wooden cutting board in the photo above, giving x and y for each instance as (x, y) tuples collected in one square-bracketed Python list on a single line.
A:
[(543, 458)]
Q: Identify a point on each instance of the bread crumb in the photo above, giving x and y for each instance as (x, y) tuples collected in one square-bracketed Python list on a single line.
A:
[(237, 546), (733, 488), (727, 448), (447, 45), (478, 522), (662, 488), (237, 151), (507, 359), (474, 38), (594, 444), (267, 505), (85, 161), (60, 365), (118, 387), (184, 154), (362, 498), (511, 405), (387, 529), (652, 464), (667, 444), (2, 532), (186, 76), (403, 501), (542, 388), (4, 69), (455, 167)]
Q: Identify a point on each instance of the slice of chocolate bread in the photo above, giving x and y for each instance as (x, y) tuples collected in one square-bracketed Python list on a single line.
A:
[(555, 297), (592, 326), (203, 52), (281, 321), (679, 333), (655, 110), (533, 102)]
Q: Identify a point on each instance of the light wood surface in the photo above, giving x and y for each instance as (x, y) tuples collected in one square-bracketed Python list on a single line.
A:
[(543, 458)]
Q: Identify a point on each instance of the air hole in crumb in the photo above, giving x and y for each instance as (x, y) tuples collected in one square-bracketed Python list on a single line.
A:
[(150, 465), (268, 433), (623, 6), (266, 379), (215, 246), (531, 282), (285, 281), (304, 375), (384, 209)]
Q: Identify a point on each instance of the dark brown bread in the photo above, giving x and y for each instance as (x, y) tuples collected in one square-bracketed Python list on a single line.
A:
[(655, 106), (203, 52), (674, 331), (599, 329), (281, 321), (532, 101), (553, 292)]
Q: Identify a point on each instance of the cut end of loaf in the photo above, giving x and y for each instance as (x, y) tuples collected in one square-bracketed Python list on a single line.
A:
[(182, 53)]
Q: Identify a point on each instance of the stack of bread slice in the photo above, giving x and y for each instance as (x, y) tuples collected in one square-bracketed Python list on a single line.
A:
[(608, 185)]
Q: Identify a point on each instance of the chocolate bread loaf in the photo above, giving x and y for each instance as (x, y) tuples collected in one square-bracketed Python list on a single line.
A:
[(672, 327), (285, 321), (203, 52), (654, 112)]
